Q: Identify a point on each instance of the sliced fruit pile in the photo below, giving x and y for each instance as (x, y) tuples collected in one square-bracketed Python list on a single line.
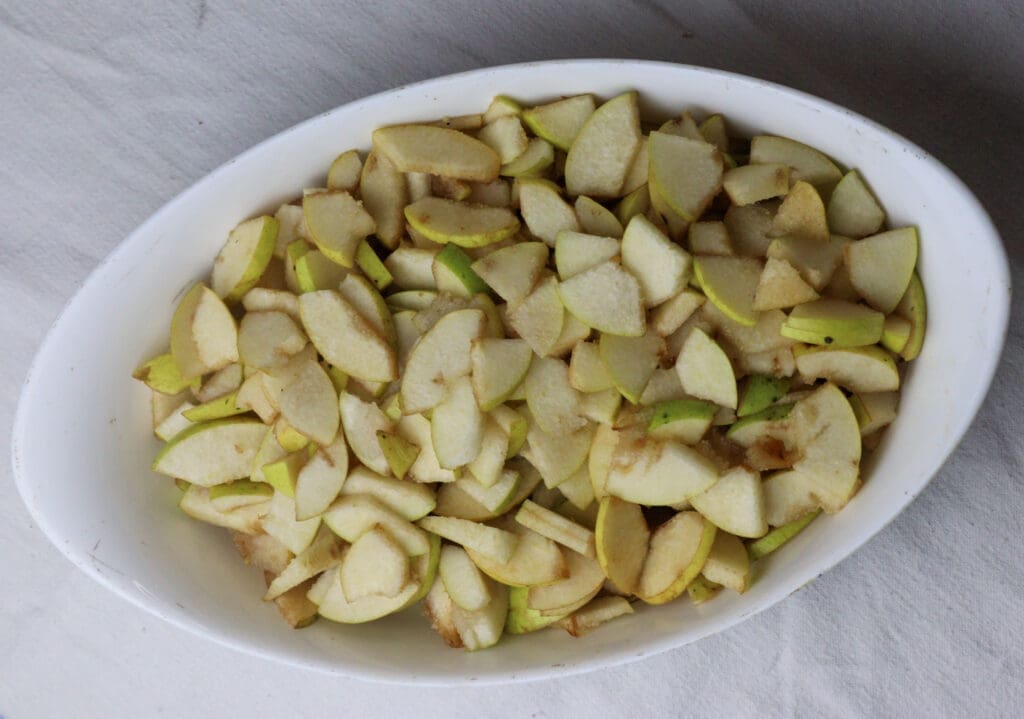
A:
[(534, 365)]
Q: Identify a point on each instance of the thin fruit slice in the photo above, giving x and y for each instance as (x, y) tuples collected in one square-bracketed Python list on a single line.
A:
[(343, 174), (457, 426), (576, 252), (513, 271), (244, 257), (858, 369), (728, 563), (212, 452), (383, 190), (557, 456), (282, 474), (817, 261), (309, 404), (603, 150), (461, 223), (827, 436), (353, 514), (505, 136), (281, 524), (622, 539), (230, 496), (834, 322), (399, 452), (437, 151), (874, 410), (487, 467), (161, 375), (805, 162), (594, 614), (880, 266), (537, 158), (631, 361), (268, 339), (914, 307), (705, 370), (678, 550), (606, 298), (196, 503), (801, 215), (362, 421), (497, 545), (337, 224), (731, 284), (556, 527), (554, 403), (735, 503), (560, 122), (375, 565), (441, 356), (685, 173), (853, 210), (465, 584), (204, 337), (596, 219), (711, 238), (788, 496), (657, 472), (780, 286), (453, 273), (544, 211), (670, 316), (324, 552), (522, 619), (536, 560), (336, 607), (345, 338), (407, 499), (587, 371), (896, 333), (320, 479), (753, 183), (682, 420), (498, 367), (584, 581), (760, 392), (540, 316), (661, 266), (779, 536)]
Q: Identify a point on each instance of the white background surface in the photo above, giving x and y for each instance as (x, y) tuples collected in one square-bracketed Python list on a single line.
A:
[(107, 113)]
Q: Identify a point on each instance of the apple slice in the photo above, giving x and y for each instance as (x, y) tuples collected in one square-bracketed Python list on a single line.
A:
[(437, 151), (880, 266), (621, 539), (544, 211), (280, 523), (461, 223), (874, 410), (411, 268), (781, 285), (801, 215), (858, 369), (368, 302), (522, 619), (416, 429), (767, 426), (383, 190), (554, 403), (175, 422), (556, 527), (504, 135), (361, 422), (535, 560), (603, 150), (324, 552), (560, 122), (407, 499), (788, 496), (353, 514), (195, 502), (230, 496), (685, 173), (853, 210), (261, 551), (457, 426), (896, 333), (309, 404), (678, 550), (584, 581), (498, 367), (212, 452), (513, 271), (594, 614), (587, 371), (596, 219), (375, 565), (816, 261), (399, 452), (580, 493), (834, 322), (337, 223), (731, 284), (540, 316), (480, 540), (753, 183), (767, 544), (661, 266), (658, 472), (557, 457), (441, 356), (711, 238), (735, 503), (161, 374), (631, 361), (913, 307), (344, 172), (320, 479), (705, 371), (728, 563), (336, 607), (827, 436), (204, 337), (606, 298), (576, 252), (681, 420), (465, 584), (244, 257), (345, 338), (761, 391), (282, 474), (537, 158), (453, 273), (805, 162), (670, 315)]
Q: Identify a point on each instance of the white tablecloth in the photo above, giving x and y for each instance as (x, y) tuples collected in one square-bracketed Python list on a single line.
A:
[(107, 110)]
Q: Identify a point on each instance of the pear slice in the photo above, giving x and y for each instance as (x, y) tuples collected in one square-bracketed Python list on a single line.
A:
[(594, 614), (631, 361), (344, 172), (753, 183), (760, 392), (535, 560), (465, 584), (498, 367), (779, 536), (556, 528), (513, 271), (801, 215), (560, 122), (337, 223), (805, 162), (606, 298), (261, 550), (896, 333), (683, 126), (580, 494), (853, 210), (576, 252), (880, 266), (309, 404), (262, 299), (282, 474), (767, 426), (368, 302), (280, 523), (212, 452), (353, 514), (535, 160), (230, 496), (731, 284), (858, 369), (384, 193), (505, 136), (457, 426), (748, 228), (161, 374), (437, 151), (661, 266), (461, 223), (441, 356), (412, 268), (587, 371), (407, 499), (495, 498), (705, 370), (603, 150), (244, 257), (638, 201), (361, 421), (204, 337), (313, 269), (914, 308), (678, 550), (522, 619), (685, 173), (324, 551), (834, 322), (497, 545), (735, 503), (454, 501), (375, 565), (636, 179), (874, 410), (399, 452), (196, 503), (416, 429), (827, 436), (710, 238), (599, 461), (670, 315), (176, 422), (540, 316), (682, 420), (488, 465), (554, 403), (453, 273), (345, 338), (320, 479), (788, 496), (544, 211), (728, 563), (596, 219), (781, 285), (336, 607), (622, 539), (584, 581), (658, 472), (557, 456)]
